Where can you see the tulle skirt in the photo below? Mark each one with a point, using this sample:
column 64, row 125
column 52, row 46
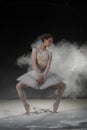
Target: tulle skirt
column 29, row 79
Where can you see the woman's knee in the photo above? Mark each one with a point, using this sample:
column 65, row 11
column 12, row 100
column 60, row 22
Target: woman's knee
column 19, row 85
column 62, row 85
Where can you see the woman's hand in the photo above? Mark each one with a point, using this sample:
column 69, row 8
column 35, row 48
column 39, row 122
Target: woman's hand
column 41, row 80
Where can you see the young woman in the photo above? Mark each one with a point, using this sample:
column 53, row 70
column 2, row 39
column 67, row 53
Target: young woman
column 41, row 77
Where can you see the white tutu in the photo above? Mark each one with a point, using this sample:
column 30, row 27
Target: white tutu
column 30, row 78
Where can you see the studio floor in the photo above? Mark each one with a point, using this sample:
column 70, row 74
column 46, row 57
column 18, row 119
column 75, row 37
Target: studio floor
column 71, row 115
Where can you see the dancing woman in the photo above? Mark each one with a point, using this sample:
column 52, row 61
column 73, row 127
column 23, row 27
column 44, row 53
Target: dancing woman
column 41, row 77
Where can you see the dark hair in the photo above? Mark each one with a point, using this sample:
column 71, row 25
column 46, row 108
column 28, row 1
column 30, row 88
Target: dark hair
column 46, row 36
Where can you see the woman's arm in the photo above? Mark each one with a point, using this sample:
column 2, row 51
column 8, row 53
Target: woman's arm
column 48, row 64
column 34, row 54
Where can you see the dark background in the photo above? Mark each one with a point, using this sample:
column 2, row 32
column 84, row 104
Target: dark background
column 21, row 23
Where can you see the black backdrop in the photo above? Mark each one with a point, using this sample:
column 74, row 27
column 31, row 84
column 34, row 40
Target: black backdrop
column 21, row 23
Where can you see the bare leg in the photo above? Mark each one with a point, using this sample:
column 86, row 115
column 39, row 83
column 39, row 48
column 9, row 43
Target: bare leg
column 22, row 96
column 61, row 88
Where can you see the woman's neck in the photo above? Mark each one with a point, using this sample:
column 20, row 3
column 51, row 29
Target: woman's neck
column 42, row 47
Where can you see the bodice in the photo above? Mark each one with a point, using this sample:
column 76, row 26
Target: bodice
column 42, row 58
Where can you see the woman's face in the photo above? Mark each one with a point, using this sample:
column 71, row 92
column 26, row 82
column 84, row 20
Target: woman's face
column 48, row 42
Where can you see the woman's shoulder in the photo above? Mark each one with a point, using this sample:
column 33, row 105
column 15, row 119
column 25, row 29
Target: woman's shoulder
column 34, row 49
column 50, row 52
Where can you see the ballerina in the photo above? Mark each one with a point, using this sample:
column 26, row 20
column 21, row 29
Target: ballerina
column 41, row 77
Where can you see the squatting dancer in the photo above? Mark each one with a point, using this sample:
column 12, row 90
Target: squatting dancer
column 41, row 77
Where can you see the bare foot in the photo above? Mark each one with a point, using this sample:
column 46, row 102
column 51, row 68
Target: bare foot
column 27, row 106
column 55, row 107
